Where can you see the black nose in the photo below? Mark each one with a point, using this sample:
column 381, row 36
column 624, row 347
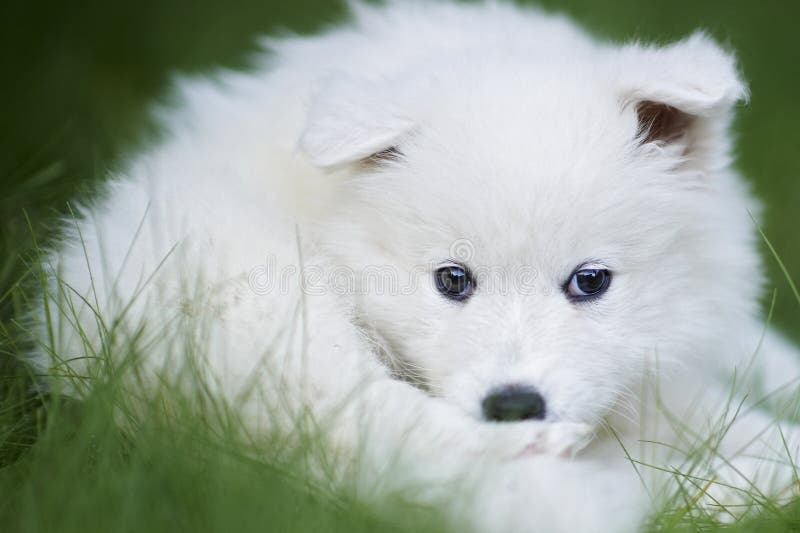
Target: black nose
column 512, row 403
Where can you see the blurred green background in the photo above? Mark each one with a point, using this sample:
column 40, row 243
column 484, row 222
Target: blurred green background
column 78, row 76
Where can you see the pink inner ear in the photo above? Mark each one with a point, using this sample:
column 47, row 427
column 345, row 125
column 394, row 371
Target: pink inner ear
column 661, row 122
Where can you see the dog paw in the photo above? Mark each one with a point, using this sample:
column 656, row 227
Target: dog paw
column 562, row 439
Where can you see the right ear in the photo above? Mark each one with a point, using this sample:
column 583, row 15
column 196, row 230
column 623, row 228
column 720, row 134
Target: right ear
column 351, row 120
column 694, row 75
column 682, row 95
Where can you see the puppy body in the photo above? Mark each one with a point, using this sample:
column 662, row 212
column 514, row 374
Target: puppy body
column 292, row 219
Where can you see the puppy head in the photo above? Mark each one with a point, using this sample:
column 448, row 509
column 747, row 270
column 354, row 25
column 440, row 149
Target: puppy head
column 528, row 234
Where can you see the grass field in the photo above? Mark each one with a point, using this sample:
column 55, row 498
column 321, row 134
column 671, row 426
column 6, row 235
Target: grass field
column 77, row 80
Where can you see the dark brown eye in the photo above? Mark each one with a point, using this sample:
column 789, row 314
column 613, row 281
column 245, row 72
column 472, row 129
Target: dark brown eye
column 453, row 282
column 588, row 283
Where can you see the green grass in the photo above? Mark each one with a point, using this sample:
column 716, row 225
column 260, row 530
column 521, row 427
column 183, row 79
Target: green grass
column 77, row 79
column 165, row 457
column 170, row 473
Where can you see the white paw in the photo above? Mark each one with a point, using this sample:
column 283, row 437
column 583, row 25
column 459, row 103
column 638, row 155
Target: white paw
column 564, row 439
column 512, row 440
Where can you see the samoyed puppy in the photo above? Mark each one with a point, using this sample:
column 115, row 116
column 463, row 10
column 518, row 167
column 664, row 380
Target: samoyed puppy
column 506, row 268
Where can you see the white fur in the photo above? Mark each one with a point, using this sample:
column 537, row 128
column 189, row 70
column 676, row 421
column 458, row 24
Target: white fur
column 519, row 145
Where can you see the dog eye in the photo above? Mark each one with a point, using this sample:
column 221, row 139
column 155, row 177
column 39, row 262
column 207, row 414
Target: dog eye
column 588, row 283
column 454, row 282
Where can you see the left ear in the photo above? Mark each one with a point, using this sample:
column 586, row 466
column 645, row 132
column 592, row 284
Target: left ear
column 681, row 93
column 351, row 120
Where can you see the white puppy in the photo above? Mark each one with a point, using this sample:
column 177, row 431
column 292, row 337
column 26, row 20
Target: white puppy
column 453, row 232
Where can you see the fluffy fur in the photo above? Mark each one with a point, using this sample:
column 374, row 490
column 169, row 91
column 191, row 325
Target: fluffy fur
column 292, row 218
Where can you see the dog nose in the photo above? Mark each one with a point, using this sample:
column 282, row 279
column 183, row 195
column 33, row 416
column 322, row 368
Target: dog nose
column 513, row 403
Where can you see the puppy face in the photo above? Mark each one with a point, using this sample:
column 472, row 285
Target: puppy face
column 553, row 231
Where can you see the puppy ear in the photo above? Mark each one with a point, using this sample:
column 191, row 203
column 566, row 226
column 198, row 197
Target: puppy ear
column 680, row 89
column 353, row 120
